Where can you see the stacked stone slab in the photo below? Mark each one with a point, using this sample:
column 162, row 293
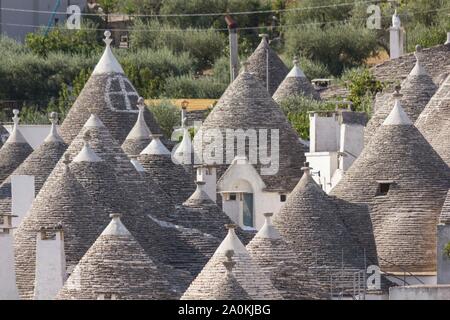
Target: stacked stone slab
column 276, row 258
column 434, row 121
column 15, row 150
column 404, row 181
column 61, row 201
column 170, row 177
column 246, row 105
column 417, row 90
column 116, row 267
column 265, row 64
column 39, row 164
column 247, row 273
column 295, row 84
column 139, row 136
column 110, row 95
column 326, row 234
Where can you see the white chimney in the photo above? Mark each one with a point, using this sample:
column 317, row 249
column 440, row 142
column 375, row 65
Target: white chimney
column 396, row 37
column 22, row 196
column 8, row 285
column 50, row 263
column 208, row 175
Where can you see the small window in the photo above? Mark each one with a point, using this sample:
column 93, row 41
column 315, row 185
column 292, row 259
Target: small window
column 383, row 188
column 232, row 196
column 282, row 198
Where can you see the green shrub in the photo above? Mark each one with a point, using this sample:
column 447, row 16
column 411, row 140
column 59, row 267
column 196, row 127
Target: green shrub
column 148, row 69
column 426, row 36
column 188, row 87
column 204, row 46
column 312, row 69
column 337, row 47
column 60, row 39
column 363, row 87
column 167, row 115
column 296, row 109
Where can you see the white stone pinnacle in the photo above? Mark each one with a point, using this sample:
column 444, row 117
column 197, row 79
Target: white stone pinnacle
column 397, row 116
column 116, row 227
column 108, row 62
column 156, row 147
column 268, row 230
column 53, row 136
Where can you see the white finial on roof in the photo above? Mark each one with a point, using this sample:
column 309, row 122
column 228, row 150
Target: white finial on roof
column 265, row 37
column 156, row 147
column 183, row 152
column 397, row 115
column 296, row 72
column 418, row 68
column 108, row 62
column 306, row 168
column 87, row 154
column 268, row 230
column 396, row 23
column 199, row 193
column 94, row 122
column 116, row 227
column 53, row 135
column 140, row 129
column 231, row 241
column 16, row 136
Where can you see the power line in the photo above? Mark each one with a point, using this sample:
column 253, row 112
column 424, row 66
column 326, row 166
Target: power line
column 221, row 29
column 198, row 14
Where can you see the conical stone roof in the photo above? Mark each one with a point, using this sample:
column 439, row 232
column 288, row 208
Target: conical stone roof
column 144, row 205
column 139, row 136
column 170, row 177
column 417, row 90
column 262, row 57
column 15, row 150
column 227, row 287
column 38, row 164
column 143, row 192
column 295, row 84
column 434, row 121
column 246, row 105
column 404, row 181
column 445, row 212
column 116, row 267
column 323, row 232
column 276, row 258
column 61, row 201
column 110, row 95
column 249, row 276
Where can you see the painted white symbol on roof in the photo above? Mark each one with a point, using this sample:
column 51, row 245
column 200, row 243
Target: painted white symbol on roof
column 120, row 95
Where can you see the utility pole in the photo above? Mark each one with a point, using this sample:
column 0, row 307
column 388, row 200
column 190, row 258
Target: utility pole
column 234, row 54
